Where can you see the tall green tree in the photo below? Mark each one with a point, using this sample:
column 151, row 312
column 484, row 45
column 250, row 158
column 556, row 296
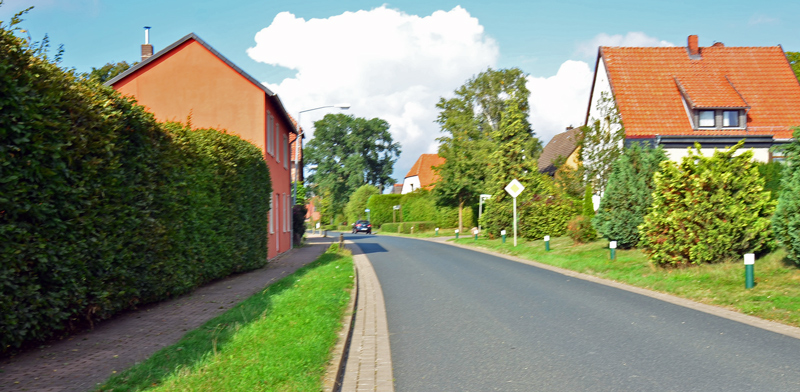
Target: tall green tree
column 794, row 61
column 601, row 142
column 108, row 71
column 488, row 137
column 349, row 152
column 628, row 195
column 358, row 202
column 786, row 221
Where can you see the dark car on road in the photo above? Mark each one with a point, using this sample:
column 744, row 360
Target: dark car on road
column 362, row 225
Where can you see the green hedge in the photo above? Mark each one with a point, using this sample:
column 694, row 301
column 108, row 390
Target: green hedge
column 102, row 208
column 417, row 206
column 405, row 227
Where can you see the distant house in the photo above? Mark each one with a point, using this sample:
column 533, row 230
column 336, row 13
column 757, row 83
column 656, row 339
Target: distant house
column 717, row 95
column 562, row 146
column 397, row 189
column 422, row 174
column 190, row 78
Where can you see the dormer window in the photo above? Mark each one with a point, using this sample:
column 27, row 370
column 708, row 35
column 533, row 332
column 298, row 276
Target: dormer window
column 719, row 118
column 730, row 118
column 706, row 119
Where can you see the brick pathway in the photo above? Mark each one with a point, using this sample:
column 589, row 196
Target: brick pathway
column 81, row 362
column 369, row 362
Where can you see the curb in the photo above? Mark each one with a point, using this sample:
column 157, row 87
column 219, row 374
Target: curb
column 334, row 375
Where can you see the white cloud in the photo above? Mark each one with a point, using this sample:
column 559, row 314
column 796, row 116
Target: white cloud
column 762, row 19
column 633, row 38
column 384, row 62
column 560, row 100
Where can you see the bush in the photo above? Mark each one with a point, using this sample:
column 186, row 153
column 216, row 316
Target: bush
column 786, row 221
column 380, row 207
column 707, row 210
column 580, row 230
column 542, row 209
column 772, row 177
column 102, row 208
column 354, row 210
column 405, row 227
column 628, row 195
column 298, row 223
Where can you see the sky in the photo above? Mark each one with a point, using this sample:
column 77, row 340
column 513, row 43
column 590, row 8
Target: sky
column 395, row 60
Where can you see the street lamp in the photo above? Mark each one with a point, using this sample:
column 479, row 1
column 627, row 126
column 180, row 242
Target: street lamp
column 343, row 106
column 300, row 133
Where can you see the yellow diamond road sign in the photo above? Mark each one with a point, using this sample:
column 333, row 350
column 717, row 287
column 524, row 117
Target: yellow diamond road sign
column 514, row 188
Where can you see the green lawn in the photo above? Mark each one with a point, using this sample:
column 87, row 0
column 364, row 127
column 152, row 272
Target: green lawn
column 776, row 295
column 277, row 340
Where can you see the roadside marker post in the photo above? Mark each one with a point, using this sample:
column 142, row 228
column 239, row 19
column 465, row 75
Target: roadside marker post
column 456, row 233
column 749, row 279
column 514, row 188
column 547, row 243
column 437, row 232
column 613, row 246
column 503, row 233
column 475, row 233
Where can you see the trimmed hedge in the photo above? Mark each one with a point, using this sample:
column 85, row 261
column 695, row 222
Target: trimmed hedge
column 786, row 220
column 102, row 208
column 405, row 227
column 418, row 206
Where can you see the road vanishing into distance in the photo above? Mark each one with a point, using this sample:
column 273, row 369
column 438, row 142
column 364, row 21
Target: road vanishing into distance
column 461, row 320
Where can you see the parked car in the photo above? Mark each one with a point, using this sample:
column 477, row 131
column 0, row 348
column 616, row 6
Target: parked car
column 362, row 225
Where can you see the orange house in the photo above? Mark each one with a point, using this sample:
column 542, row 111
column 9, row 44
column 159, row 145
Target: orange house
column 190, row 78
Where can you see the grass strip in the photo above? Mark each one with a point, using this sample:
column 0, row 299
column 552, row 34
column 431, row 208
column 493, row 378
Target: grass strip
column 276, row 340
column 775, row 297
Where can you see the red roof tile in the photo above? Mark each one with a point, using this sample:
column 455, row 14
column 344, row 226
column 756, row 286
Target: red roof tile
column 647, row 84
column 424, row 169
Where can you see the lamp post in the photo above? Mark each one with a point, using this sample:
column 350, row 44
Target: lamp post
column 343, row 106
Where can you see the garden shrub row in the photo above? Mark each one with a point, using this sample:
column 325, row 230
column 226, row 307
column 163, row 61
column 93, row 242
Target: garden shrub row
column 417, row 206
column 102, row 208
column 405, row 227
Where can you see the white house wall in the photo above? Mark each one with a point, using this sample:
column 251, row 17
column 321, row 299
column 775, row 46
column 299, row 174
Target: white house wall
column 410, row 184
column 601, row 85
column 677, row 154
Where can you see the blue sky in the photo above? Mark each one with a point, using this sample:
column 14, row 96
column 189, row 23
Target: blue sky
column 394, row 60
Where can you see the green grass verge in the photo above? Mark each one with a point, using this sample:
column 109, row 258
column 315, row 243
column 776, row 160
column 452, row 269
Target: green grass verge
column 776, row 295
column 277, row 340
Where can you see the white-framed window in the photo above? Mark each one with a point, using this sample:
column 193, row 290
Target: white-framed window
column 277, row 145
column 285, row 212
column 271, row 216
column 730, row 118
column 706, row 119
column 286, row 151
column 270, row 132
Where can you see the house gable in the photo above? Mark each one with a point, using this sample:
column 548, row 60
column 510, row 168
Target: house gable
column 422, row 174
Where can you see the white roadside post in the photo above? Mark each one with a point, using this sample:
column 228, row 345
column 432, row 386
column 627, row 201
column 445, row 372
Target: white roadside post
column 367, row 211
column 481, row 198
column 514, row 188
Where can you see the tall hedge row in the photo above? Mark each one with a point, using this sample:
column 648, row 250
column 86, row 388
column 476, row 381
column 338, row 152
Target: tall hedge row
column 786, row 220
column 419, row 205
column 102, row 208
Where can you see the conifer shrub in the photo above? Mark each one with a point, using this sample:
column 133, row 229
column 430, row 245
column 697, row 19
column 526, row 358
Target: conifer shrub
column 628, row 195
column 707, row 210
column 786, row 221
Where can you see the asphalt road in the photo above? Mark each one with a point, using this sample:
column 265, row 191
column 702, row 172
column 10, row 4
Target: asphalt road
column 466, row 321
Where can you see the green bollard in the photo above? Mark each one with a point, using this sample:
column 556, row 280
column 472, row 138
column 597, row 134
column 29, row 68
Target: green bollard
column 547, row 243
column 456, row 233
column 503, row 233
column 437, row 232
column 749, row 279
column 476, row 237
column 613, row 246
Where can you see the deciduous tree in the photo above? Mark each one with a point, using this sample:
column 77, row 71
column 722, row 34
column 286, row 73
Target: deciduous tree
column 601, row 143
column 349, row 152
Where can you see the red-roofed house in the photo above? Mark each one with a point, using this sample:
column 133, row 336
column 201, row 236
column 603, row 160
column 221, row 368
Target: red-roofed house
column 716, row 95
column 422, row 174
column 190, row 77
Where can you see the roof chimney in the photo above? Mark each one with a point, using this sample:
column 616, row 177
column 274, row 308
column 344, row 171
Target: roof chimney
column 147, row 49
column 692, row 48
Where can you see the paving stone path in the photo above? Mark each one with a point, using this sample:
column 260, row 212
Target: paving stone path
column 82, row 361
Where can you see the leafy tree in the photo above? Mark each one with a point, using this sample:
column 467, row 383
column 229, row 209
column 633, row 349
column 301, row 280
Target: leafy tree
column 628, row 195
column 601, row 143
column 707, row 210
column 349, row 152
column 108, row 71
column 489, row 138
column 786, row 221
column 794, row 61
column 358, row 202
column 569, row 179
